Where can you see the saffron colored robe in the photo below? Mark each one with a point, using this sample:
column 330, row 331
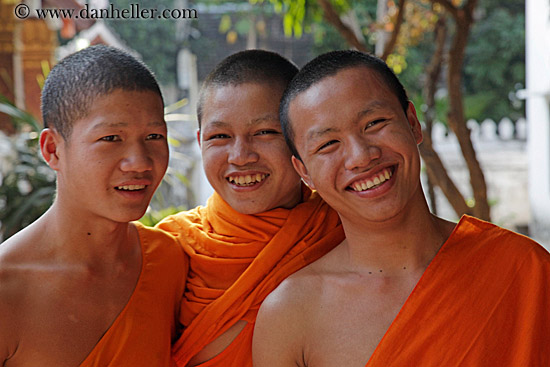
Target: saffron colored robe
column 236, row 260
column 483, row 301
column 143, row 332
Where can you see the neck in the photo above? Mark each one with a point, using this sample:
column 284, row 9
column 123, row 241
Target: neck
column 406, row 242
column 82, row 238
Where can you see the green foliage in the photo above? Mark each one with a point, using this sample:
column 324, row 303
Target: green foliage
column 19, row 117
column 27, row 189
column 28, row 183
column 327, row 38
column 495, row 64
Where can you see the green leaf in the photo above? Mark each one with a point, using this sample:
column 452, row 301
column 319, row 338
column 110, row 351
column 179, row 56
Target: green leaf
column 225, row 24
column 18, row 116
column 288, row 20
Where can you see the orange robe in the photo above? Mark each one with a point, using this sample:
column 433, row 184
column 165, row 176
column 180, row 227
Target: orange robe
column 483, row 301
column 143, row 332
column 236, row 260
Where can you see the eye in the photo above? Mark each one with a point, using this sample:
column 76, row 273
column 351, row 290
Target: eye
column 267, row 132
column 155, row 137
column 326, row 145
column 218, row 136
column 375, row 122
column 110, row 138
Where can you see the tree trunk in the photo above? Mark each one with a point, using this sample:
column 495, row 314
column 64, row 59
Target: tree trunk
column 457, row 121
column 433, row 72
column 333, row 18
column 390, row 45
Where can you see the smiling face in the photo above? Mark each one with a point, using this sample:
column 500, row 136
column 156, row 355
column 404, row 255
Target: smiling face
column 244, row 153
column 358, row 146
column 114, row 158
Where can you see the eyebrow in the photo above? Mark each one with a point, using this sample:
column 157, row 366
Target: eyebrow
column 123, row 124
column 317, row 133
column 369, row 108
column 256, row 121
column 266, row 117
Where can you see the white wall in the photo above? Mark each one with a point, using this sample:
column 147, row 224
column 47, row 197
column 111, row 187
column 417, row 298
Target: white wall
column 538, row 115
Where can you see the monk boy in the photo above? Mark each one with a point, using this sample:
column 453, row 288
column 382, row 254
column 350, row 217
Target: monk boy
column 82, row 285
column 260, row 225
column 405, row 288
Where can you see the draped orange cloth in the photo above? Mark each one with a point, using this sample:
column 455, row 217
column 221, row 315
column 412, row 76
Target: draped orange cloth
column 483, row 301
column 236, row 260
column 142, row 333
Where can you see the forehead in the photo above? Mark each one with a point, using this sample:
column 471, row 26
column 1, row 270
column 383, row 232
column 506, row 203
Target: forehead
column 355, row 84
column 122, row 108
column 242, row 103
column 344, row 97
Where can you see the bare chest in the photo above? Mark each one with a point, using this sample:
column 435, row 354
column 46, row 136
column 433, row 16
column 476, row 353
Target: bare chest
column 62, row 318
column 351, row 321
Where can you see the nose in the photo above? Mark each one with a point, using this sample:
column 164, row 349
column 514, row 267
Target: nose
column 137, row 159
column 360, row 154
column 242, row 152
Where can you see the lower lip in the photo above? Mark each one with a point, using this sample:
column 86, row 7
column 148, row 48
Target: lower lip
column 378, row 191
column 133, row 195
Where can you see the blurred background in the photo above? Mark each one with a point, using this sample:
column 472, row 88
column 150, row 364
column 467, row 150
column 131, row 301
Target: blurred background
column 476, row 70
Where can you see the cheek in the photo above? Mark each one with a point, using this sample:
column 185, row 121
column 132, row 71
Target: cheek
column 278, row 152
column 327, row 171
column 213, row 157
column 161, row 156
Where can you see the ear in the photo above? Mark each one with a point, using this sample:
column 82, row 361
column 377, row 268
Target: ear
column 50, row 141
column 302, row 171
column 199, row 137
column 414, row 123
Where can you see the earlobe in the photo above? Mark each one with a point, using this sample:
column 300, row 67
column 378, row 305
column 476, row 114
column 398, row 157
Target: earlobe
column 414, row 123
column 49, row 144
column 302, row 171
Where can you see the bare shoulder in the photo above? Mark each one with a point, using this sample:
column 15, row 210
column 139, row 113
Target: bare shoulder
column 295, row 293
column 15, row 254
column 14, row 259
column 296, row 296
column 282, row 323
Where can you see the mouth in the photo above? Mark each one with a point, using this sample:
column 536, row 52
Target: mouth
column 247, row 180
column 131, row 187
column 372, row 182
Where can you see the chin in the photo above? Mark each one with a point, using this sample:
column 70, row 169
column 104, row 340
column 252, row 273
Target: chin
column 129, row 217
column 248, row 209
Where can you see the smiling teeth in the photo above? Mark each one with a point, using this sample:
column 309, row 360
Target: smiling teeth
column 131, row 187
column 369, row 184
column 247, row 180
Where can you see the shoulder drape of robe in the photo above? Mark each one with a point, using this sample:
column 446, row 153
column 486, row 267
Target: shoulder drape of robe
column 236, row 260
column 483, row 301
column 142, row 333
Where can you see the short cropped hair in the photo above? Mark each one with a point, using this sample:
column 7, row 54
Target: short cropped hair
column 250, row 66
column 327, row 65
column 73, row 85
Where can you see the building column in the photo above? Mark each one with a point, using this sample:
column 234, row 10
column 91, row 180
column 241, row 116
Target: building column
column 35, row 46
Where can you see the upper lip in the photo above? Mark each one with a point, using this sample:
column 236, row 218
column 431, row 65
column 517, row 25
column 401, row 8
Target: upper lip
column 368, row 174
